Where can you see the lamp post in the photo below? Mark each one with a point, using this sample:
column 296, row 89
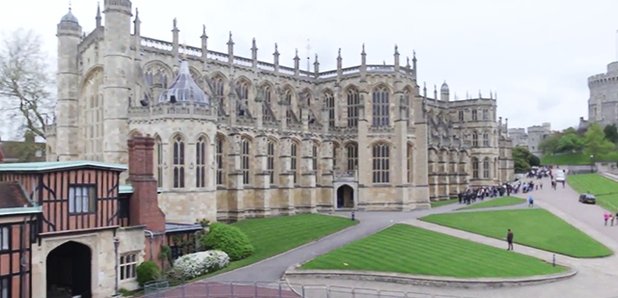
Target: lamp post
column 591, row 163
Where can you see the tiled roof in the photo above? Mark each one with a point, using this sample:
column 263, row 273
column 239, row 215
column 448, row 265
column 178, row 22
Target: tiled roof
column 58, row 165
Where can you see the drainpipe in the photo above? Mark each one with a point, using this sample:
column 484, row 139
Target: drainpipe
column 116, row 244
column 151, row 235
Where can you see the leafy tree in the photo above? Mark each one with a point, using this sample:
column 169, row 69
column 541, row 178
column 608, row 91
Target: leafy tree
column 523, row 159
column 570, row 142
column 24, row 83
column 611, row 133
column 550, row 144
column 595, row 142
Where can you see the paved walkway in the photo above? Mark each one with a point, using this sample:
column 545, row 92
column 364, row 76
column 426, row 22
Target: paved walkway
column 596, row 277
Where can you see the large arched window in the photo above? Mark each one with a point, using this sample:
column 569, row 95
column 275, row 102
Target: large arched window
column 406, row 101
column 352, row 156
column 380, row 107
column 486, row 168
column 270, row 161
column 294, row 161
column 159, row 159
column 329, row 101
column 245, row 161
column 381, row 163
column 219, row 144
column 289, row 112
column 242, row 90
column 353, row 103
column 475, row 168
column 200, row 162
column 485, row 140
column 409, row 163
column 179, row 162
column 267, row 107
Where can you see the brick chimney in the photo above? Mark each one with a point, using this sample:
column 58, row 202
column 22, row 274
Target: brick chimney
column 144, row 206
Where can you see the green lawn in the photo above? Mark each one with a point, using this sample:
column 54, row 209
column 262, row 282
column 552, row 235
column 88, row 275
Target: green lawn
column 498, row 202
column 406, row 249
column 606, row 190
column 275, row 235
column 435, row 204
column 575, row 158
column 532, row 227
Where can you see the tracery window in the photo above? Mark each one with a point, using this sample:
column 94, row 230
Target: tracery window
column 200, row 162
column 242, row 90
column 329, row 100
column 218, row 84
column 352, row 156
column 380, row 106
column 353, row 103
column 381, row 163
column 270, row 161
column 267, row 111
column 293, row 161
column 245, row 160
column 178, row 162
column 219, row 160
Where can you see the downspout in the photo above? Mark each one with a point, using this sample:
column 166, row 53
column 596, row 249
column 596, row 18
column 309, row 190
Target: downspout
column 151, row 234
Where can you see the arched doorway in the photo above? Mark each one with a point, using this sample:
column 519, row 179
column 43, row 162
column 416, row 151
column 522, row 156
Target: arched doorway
column 345, row 197
column 68, row 271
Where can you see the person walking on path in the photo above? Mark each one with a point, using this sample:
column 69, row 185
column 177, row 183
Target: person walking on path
column 530, row 201
column 606, row 217
column 509, row 239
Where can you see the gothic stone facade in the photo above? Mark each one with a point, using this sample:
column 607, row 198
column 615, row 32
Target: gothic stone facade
column 259, row 138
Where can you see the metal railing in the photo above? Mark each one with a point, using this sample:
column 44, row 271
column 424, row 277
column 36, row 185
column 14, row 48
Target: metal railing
column 203, row 289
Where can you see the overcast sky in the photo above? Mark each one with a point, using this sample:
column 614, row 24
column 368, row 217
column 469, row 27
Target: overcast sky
column 537, row 55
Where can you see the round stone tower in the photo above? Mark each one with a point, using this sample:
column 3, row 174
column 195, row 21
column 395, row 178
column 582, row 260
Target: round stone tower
column 69, row 34
column 603, row 100
column 117, row 75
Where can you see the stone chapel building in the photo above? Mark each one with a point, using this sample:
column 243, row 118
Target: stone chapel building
column 237, row 137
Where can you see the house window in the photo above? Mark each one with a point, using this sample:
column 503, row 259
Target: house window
column 270, row 161
column 485, row 115
column 461, row 116
column 5, row 287
column 475, row 139
column 293, row 159
column 200, row 162
column 381, row 165
column 352, row 154
column 475, row 168
column 244, row 161
column 5, row 236
column 179, row 162
column 127, row 263
column 82, row 199
column 353, row 102
column 485, row 140
column 330, row 107
column 219, row 160
column 380, row 105
column 475, row 115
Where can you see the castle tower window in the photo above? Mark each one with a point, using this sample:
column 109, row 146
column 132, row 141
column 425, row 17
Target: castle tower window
column 352, row 155
column 461, row 116
column 485, row 115
column 381, row 163
column 475, row 139
column 293, row 161
column 475, row 168
column 485, row 140
column 219, row 160
column 329, row 100
column 270, row 161
column 380, row 105
column 159, row 156
column 200, row 162
column 353, row 103
column 475, row 116
column 245, row 160
column 486, row 168
column 178, row 162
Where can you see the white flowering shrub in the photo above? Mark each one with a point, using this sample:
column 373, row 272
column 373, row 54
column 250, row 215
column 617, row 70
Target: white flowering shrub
column 199, row 263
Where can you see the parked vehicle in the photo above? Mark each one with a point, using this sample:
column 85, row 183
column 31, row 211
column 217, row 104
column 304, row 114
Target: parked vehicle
column 559, row 174
column 587, row 198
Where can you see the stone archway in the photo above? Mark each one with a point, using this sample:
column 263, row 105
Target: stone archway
column 69, row 268
column 345, row 196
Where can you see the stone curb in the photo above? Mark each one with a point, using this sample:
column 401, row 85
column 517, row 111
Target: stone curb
column 434, row 281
